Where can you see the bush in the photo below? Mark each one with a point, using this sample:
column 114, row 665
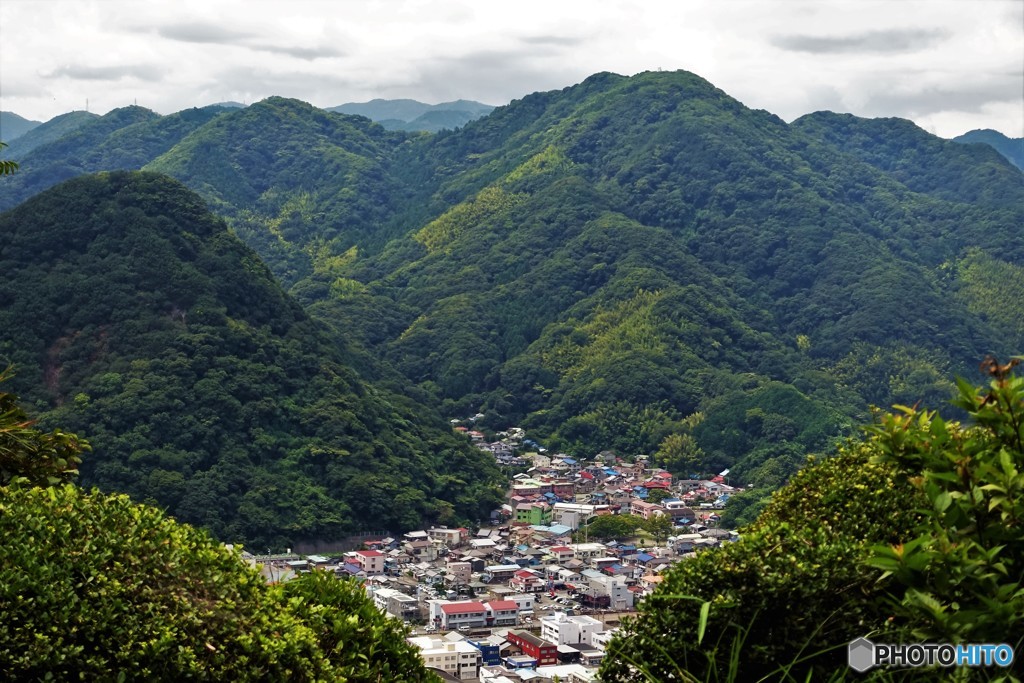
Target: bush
column 795, row 579
column 961, row 576
column 96, row 587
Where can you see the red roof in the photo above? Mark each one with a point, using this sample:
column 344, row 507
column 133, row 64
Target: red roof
column 369, row 553
column 561, row 549
column 497, row 605
column 664, row 475
column 462, row 607
column 586, row 475
column 523, row 574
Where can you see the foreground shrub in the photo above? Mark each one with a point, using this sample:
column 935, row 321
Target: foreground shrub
column 96, row 587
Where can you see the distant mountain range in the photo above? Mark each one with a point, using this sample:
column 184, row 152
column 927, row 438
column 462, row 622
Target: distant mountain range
column 13, row 126
column 44, row 133
column 410, row 115
column 640, row 264
column 1011, row 148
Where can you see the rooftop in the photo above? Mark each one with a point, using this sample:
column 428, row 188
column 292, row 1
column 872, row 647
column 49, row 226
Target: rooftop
column 462, row 607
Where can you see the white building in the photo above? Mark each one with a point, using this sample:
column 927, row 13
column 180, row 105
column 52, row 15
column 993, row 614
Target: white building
column 565, row 630
column 572, row 514
column 585, row 551
column 600, row 640
column 457, row 658
column 524, row 601
column 613, row 586
column 396, row 603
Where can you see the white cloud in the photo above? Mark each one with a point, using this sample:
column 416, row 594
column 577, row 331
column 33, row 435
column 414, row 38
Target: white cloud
column 951, row 65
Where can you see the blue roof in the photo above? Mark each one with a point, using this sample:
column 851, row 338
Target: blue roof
column 644, row 557
column 352, row 568
column 569, row 461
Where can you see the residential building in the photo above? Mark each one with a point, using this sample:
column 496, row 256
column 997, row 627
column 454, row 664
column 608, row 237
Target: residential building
column 585, row 551
column 541, row 650
column 533, row 514
column 459, row 572
column 490, row 649
column 500, row 573
column 614, row 587
column 502, row 613
column 572, row 514
column 457, row 658
column 463, row 615
column 525, row 580
column 524, row 601
column 679, row 510
column 453, row 538
column 561, row 553
column 565, row 630
column 600, row 640
column 396, row 603
column 369, row 561
column 644, row 509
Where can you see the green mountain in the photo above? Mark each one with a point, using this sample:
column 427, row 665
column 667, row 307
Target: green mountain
column 299, row 184
column 13, row 126
column 598, row 263
column 637, row 263
column 136, row 319
column 1011, row 148
column 44, row 133
column 411, row 115
column 920, row 161
column 123, row 139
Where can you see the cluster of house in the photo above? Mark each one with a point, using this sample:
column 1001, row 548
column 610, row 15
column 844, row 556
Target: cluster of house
column 567, row 648
column 517, row 600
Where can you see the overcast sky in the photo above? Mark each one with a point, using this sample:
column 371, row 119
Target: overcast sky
column 949, row 65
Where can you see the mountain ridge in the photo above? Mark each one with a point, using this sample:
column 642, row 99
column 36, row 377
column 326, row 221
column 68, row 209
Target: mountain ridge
column 597, row 263
column 136, row 319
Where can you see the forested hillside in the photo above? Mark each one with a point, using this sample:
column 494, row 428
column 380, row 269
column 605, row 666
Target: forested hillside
column 54, row 129
column 124, row 139
column 133, row 317
column 1011, row 148
column 600, row 262
column 299, row 184
column 640, row 263
column 13, row 126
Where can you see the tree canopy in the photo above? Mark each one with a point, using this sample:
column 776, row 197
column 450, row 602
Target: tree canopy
column 910, row 534
column 97, row 587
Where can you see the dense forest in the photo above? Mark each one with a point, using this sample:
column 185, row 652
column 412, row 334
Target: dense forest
column 640, row 264
column 133, row 317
